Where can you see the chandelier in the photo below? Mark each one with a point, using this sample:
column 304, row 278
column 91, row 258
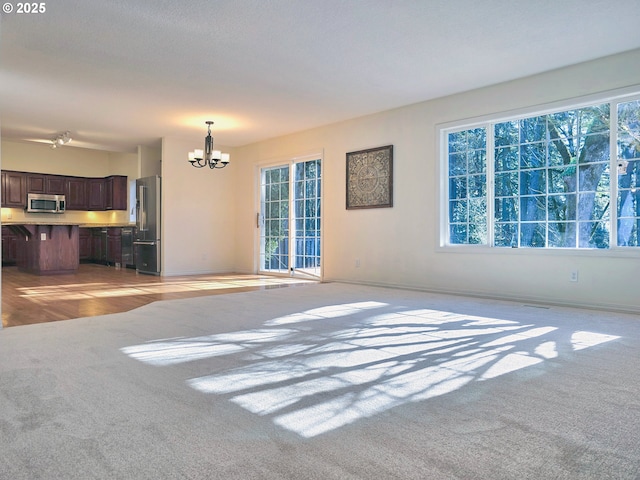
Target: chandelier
column 61, row 140
column 208, row 157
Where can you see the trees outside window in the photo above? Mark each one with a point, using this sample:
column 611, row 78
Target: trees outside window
column 547, row 179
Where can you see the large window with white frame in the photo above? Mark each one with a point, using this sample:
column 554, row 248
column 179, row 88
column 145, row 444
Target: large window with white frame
column 567, row 178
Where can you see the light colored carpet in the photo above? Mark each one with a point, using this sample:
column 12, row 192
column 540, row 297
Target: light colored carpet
column 327, row 381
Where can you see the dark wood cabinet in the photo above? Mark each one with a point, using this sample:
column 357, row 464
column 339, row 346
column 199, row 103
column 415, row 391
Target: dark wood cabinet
column 99, row 245
column 84, row 244
column 96, row 193
column 116, row 193
column 9, row 247
column 114, row 246
column 42, row 183
column 36, row 183
column 76, row 193
column 82, row 193
column 14, row 189
column 54, row 184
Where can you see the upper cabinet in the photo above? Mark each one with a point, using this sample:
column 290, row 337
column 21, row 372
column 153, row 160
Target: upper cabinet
column 96, row 193
column 116, row 193
column 41, row 183
column 81, row 193
column 14, row 189
column 76, row 193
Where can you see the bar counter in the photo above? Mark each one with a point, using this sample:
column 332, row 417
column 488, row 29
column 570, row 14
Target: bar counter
column 46, row 249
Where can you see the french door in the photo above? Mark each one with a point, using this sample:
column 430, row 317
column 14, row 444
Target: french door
column 290, row 218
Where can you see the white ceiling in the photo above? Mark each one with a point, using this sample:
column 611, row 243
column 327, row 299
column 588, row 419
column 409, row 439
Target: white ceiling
column 122, row 73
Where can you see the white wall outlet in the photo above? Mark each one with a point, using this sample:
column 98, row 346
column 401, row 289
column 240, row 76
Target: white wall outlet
column 573, row 276
column 43, row 236
column 357, row 263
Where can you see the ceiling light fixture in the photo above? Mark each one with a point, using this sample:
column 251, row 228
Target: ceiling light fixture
column 61, row 139
column 208, row 157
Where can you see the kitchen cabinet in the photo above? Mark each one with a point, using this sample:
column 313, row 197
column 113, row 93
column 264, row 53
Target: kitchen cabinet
column 116, row 193
column 43, row 183
column 76, row 193
column 14, row 189
column 114, row 246
column 35, row 183
column 84, row 244
column 55, row 184
column 99, row 245
column 96, row 193
column 82, row 193
column 9, row 247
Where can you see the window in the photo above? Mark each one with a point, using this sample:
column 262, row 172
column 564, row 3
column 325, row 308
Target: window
column 545, row 181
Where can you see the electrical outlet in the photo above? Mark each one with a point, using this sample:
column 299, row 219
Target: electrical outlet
column 573, row 276
column 357, row 263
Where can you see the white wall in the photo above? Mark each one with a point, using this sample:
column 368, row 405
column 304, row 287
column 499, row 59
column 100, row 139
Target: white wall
column 199, row 211
column 399, row 246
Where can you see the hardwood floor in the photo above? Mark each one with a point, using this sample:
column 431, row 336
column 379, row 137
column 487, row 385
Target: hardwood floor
column 99, row 290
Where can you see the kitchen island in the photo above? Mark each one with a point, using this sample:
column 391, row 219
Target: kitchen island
column 46, row 248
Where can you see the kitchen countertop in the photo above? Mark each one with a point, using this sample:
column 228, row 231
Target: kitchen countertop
column 81, row 225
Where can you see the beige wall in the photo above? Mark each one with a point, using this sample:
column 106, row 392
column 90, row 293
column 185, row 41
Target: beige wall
column 72, row 161
column 80, row 162
column 199, row 213
column 399, row 246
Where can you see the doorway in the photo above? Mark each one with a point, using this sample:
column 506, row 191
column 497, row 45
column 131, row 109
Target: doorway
column 290, row 218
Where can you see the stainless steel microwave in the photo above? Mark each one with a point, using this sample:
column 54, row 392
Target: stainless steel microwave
column 45, row 203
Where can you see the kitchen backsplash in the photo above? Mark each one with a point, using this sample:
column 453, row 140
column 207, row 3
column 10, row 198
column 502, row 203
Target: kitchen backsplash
column 115, row 217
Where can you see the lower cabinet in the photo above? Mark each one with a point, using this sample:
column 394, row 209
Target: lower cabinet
column 114, row 246
column 84, row 244
column 106, row 246
column 9, row 247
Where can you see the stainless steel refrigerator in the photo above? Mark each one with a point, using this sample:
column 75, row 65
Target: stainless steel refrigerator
column 147, row 238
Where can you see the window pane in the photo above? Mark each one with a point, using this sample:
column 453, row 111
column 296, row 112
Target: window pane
column 561, row 207
column 507, row 158
column 533, row 155
column 506, row 133
column 533, row 235
column 457, row 142
column 458, row 234
column 562, row 179
column 458, row 211
column 458, row 164
column 533, row 129
column 506, row 209
column 506, row 184
column 562, row 235
column 593, row 235
column 533, row 208
column 506, row 235
column 533, row 182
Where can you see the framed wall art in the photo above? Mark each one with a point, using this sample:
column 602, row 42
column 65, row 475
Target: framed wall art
column 370, row 178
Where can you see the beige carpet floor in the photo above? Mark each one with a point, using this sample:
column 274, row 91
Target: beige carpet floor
column 327, row 381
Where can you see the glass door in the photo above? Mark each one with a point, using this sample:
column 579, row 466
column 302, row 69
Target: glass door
column 290, row 218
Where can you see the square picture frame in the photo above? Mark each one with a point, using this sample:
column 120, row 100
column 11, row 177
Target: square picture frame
column 370, row 178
